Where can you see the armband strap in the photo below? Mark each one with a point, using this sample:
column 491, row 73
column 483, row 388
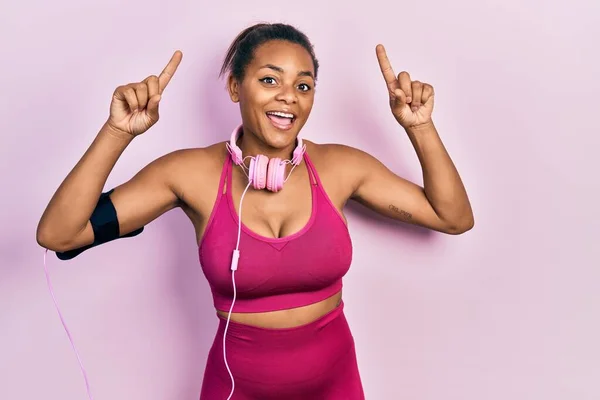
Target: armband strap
column 104, row 224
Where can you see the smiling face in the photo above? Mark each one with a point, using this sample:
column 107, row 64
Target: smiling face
column 276, row 94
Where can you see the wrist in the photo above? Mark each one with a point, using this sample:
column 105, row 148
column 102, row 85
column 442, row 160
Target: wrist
column 422, row 136
column 420, row 128
column 116, row 133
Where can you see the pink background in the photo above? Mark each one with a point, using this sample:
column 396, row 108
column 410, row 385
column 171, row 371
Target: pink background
column 507, row 311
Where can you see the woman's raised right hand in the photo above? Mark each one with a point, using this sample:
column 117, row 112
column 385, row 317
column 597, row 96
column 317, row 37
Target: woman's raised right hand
column 134, row 107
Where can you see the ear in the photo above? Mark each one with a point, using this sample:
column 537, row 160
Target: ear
column 233, row 87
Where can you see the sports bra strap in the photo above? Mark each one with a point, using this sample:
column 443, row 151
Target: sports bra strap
column 224, row 172
column 312, row 171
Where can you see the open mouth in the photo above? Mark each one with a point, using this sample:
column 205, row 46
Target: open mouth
column 281, row 120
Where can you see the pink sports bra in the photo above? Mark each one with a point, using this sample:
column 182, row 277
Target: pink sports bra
column 275, row 273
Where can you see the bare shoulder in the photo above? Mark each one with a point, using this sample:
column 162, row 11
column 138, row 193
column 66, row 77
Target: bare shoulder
column 195, row 170
column 192, row 160
column 340, row 167
column 335, row 153
column 346, row 162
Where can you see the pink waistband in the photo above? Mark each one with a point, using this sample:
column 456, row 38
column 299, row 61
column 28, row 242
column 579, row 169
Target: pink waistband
column 256, row 333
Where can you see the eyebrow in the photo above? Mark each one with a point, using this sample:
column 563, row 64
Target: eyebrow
column 279, row 69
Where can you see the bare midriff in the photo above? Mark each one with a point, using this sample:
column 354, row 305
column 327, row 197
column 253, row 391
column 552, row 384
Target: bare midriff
column 289, row 318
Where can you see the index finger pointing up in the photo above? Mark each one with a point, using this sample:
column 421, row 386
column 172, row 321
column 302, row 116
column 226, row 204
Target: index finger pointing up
column 386, row 69
column 165, row 76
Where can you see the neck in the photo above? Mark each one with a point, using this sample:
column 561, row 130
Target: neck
column 251, row 146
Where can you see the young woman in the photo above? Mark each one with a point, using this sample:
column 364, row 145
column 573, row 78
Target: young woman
column 273, row 241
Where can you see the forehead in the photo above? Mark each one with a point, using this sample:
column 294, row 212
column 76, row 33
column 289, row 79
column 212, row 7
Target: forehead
column 292, row 57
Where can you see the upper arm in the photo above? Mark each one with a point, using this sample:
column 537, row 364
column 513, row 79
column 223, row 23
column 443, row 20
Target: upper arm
column 381, row 190
column 148, row 194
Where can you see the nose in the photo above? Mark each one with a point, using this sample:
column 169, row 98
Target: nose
column 287, row 94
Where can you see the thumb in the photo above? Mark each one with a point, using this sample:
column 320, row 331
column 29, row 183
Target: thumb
column 399, row 98
column 152, row 107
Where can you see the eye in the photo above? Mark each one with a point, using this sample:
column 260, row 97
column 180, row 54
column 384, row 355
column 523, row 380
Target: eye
column 267, row 80
column 304, row 87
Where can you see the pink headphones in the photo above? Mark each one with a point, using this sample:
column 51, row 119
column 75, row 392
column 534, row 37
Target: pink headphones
column 264, row 172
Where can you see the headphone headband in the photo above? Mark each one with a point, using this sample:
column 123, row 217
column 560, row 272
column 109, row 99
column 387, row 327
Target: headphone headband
column 236, row 152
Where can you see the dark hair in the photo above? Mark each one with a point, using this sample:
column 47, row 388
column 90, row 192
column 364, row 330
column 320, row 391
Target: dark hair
column 241, row 51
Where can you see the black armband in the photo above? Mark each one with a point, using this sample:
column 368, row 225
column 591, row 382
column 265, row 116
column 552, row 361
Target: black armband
column 105, row 225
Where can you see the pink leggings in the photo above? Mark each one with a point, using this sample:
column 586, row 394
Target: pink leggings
column 313, row 361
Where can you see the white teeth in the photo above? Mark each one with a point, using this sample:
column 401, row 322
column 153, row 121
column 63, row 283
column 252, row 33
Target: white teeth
column 281, row 114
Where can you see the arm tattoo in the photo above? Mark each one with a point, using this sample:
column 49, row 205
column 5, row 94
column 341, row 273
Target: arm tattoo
column 403, row 214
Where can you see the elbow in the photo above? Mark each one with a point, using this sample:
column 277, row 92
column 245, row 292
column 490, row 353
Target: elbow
column 42, row 237
column 45, row 240
column 460, row 227
column 49, row 240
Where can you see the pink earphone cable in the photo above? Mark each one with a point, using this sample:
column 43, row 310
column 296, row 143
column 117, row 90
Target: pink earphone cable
column 87, row 385
column 234, row 263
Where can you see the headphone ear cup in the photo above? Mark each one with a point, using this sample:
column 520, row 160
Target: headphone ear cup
column 252, row 169
column 258, row 171
column 298, row 152
column 234, row 150
column 275, row 175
